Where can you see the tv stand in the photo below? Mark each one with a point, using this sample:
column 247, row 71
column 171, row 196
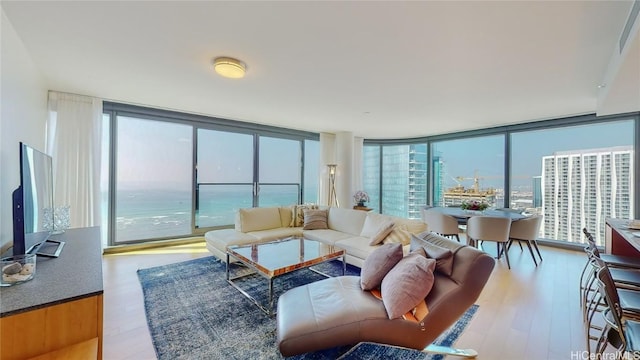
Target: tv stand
column 60, row 310
column 42, row 249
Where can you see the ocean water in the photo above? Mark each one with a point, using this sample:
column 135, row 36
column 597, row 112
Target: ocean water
column 148, row 213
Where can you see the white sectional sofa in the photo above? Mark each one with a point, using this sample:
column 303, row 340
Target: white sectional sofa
column 348, row 229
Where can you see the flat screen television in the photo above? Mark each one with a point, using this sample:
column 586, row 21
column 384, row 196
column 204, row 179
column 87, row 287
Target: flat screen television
column 33, row 211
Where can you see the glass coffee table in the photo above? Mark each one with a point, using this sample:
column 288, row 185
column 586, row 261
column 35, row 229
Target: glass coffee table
column 276, row 258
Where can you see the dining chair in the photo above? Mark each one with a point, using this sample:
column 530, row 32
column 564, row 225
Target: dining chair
column 490, row 228
column 526, row 230
column 443, row 224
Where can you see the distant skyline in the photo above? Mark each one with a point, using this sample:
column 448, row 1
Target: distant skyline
column 486, row 154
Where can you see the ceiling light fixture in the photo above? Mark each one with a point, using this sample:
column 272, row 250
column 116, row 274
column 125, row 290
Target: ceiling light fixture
column 229, row 67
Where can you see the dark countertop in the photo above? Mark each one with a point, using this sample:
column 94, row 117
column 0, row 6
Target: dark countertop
column 76, row 274
column 621, row 227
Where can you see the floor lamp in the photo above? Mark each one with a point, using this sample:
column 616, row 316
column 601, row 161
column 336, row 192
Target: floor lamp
column 333, row 200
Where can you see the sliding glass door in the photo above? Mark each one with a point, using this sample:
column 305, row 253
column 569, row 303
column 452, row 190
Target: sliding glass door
column 152, row 179
column 279, row 172
column 170, row 175
column 224, row 176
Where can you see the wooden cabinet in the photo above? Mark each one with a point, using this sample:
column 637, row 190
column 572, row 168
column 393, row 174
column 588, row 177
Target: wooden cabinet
column 58, row 314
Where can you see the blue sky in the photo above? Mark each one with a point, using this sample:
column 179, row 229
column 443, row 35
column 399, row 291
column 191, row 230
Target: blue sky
column 171, row 143
column 486, row 154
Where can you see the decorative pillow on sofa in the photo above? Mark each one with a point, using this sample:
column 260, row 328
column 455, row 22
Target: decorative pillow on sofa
column 438, row 247
column 399, row 234
column 378, row 264
column 442, row 256
column 384, row 230
column 315, row 219
column 407, row 284
column 297, row 214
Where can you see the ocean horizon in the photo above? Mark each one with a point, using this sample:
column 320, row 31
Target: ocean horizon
column 154, row 213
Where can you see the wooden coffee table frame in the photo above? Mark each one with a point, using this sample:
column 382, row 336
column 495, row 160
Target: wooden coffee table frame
column 309, row 253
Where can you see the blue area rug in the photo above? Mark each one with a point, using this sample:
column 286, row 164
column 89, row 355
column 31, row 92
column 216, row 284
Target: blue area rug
column 193, row 313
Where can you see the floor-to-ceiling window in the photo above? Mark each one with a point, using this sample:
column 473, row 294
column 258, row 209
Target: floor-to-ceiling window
column 576, row 176
column 176, row 175
column 395, row 177
column 576, row 171
column 470, row 169
column 153, row 179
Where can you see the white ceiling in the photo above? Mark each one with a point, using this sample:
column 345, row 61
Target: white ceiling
column 377, row 69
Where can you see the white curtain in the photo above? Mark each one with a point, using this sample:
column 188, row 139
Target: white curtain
column 74, row 141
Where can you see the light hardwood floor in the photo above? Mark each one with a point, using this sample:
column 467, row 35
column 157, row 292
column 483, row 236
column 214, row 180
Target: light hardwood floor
column 527, row 312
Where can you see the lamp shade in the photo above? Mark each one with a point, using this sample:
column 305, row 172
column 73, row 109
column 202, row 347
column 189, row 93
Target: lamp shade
column 229, row 67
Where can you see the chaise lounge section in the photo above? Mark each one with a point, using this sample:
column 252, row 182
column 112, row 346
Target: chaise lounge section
column 336, row 311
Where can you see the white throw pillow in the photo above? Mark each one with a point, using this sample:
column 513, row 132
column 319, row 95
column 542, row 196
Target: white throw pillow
column 382, row 233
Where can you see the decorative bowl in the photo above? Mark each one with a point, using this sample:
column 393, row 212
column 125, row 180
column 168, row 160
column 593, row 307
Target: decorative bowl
column 17, row 269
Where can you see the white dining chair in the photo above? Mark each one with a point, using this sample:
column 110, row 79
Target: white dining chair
column 490, row 228
column 443, row 224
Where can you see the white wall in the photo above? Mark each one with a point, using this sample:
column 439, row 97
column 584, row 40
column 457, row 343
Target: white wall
column 23, row 113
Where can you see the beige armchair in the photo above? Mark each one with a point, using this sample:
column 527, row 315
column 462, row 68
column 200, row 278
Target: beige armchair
column 489, row 228
column 526, row 230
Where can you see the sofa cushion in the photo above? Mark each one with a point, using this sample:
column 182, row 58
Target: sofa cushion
column 372, row 223
column 222, row 238
column 252, row 219
column 346, row 220
column 286, row 215
column 376, row 227
column 315, row 219
column 357, row 246
column 378, row 264
column 275, row 234
column 407, row 284
column 326, row 236
column 414, row 226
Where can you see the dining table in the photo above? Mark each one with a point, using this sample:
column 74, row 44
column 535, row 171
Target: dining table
column 462, row 215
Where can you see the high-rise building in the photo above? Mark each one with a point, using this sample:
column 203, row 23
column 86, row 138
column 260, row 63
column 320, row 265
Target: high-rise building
column 536, row 185
column 437, row 166
column 582, row 188
column 404, row 186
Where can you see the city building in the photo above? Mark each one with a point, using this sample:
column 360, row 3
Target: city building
column 584, row 187
column 403, row 179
